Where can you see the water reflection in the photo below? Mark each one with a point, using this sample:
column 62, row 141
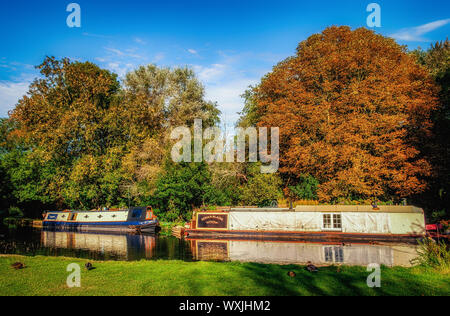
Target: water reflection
column 111, row 246
column 300, row 253
column 120, row 246
column 136, row 247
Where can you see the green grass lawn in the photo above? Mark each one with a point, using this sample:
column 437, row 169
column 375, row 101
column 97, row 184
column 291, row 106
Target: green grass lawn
column 47, row 276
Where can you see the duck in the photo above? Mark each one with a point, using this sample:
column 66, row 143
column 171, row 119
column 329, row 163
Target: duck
column 18, row 265
column 311, row 268
column 89, row 266
column 292, row 274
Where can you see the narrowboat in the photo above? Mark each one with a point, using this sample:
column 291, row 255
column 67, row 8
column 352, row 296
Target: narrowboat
column 136, row 219
column 315, row 222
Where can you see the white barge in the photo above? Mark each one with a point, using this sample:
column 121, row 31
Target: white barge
column 322, row 222
column 136, row 219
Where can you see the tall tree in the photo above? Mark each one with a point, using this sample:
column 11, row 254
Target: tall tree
column 353, row 108
column 180, row 188
column 156, row 100
column 64, row 118
column 437, row 60
column 90, row 142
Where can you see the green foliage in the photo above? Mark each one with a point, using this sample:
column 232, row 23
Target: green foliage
column 5, row 190
column 433, row 254
column 437, row 60
column 216, row 196
column 80, row 140
column 306, row 189
column 15, row 212
column 261, row 189
column 437, row 216
column 249, row 115
column 181, row 188
column 95, row 182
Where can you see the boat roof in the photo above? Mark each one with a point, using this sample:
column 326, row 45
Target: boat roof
column 105, row 211
column 338, row 209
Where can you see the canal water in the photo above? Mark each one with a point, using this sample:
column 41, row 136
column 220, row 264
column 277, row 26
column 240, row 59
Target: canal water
column 128, row 247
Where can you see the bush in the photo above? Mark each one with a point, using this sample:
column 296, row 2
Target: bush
column 433, row 254
column 181, row 188
column 306, row 189
column 262, row 190
column 15, row 212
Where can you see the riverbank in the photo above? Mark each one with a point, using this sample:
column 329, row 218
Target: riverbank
column 47, row 276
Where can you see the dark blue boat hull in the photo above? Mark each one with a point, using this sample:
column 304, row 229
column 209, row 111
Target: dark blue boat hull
column 132, row 226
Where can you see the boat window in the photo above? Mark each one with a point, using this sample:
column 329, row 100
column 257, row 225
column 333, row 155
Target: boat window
column 327, row 221
column 136, row 213
column 332, row 221
column 337, row 221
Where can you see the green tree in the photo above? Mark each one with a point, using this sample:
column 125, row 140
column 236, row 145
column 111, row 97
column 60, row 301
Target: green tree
column 88, row 142
column 437, row 60
column 260, row 189
column 306, row 189
column 154, row 101
column 65, row 117
column 180, row 188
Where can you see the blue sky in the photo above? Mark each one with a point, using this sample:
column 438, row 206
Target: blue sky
column 230, row 44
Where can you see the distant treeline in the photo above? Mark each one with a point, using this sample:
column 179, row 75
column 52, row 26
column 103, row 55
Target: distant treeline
column 360, row 118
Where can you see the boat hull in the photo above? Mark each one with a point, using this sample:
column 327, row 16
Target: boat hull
column 136, row 219
column 146, row 226
column 300, row 236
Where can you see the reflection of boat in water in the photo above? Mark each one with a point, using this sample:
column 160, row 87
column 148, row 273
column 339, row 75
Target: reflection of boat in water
column 120, row 246
column 300, row 252
column 136, row 219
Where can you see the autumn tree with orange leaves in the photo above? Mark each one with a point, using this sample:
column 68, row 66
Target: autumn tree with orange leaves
column 353, row 110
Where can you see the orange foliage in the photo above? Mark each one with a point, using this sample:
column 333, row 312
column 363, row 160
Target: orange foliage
column 353, row 109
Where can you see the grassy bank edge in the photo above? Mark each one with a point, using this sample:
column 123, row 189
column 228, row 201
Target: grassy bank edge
column 48, row 275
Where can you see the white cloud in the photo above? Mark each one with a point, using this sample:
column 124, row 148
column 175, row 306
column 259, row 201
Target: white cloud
column 225, row 82
column 123, row 60
column 228, row 96
column 414, row 34
column 121, row 69
column 10, row 93
column 158, row 57
column 127, row 53
column 118, row 52
column 96, row 35
column 140, row 41
column 192, row 51
column 210, row 73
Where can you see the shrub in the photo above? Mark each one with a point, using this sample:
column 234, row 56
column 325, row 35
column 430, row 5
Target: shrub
column 433, row 254
column 306, row 189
